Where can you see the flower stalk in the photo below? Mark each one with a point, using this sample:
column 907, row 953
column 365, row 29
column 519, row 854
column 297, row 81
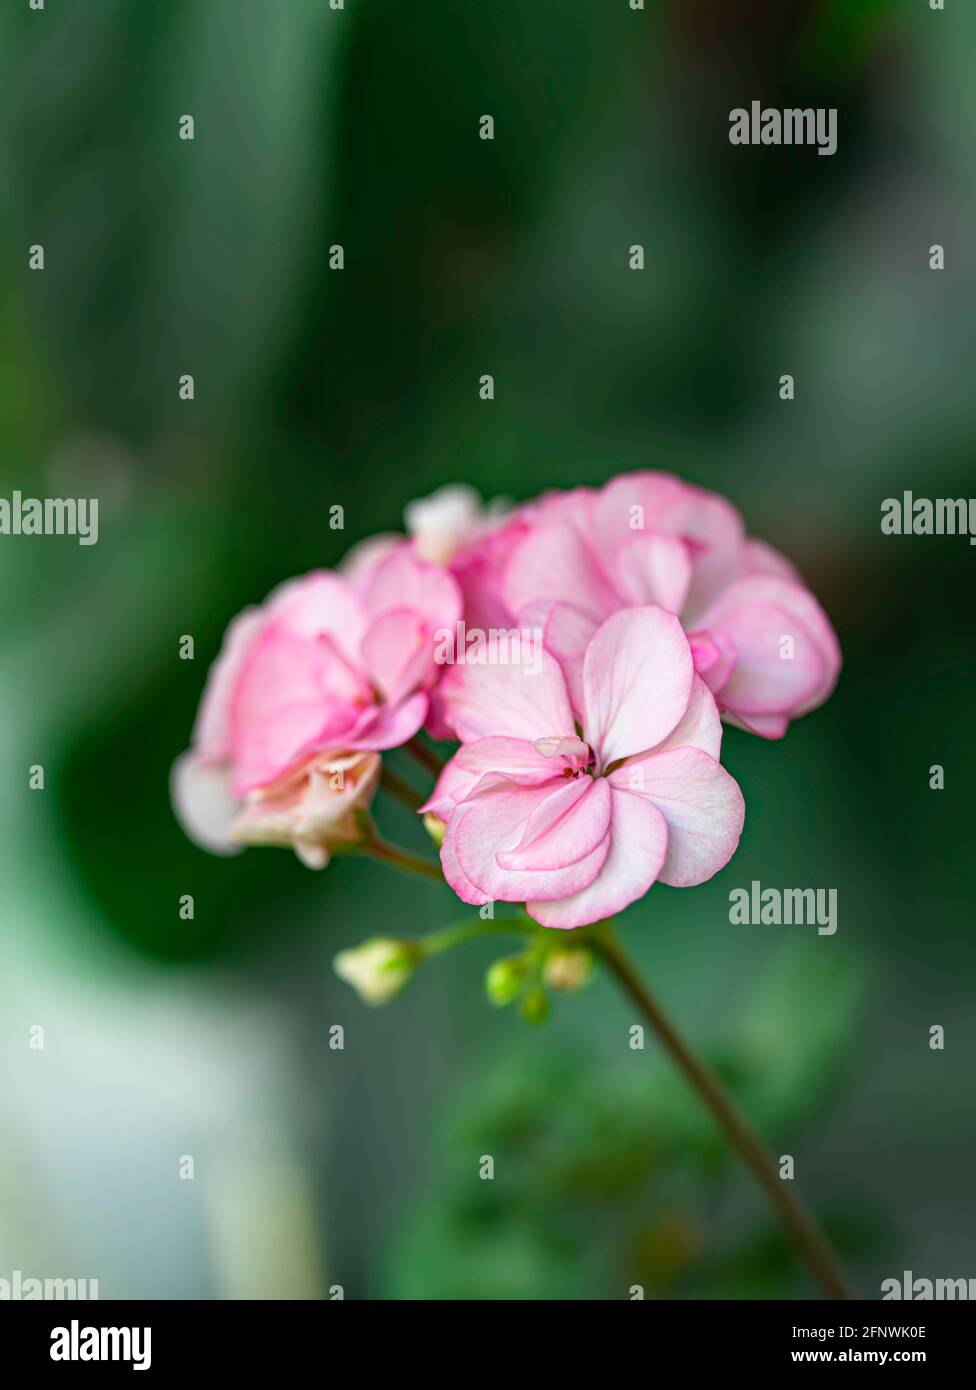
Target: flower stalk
column 800, row 1225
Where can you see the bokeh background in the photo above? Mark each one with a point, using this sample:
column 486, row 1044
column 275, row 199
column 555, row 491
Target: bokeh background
column 209, row 1037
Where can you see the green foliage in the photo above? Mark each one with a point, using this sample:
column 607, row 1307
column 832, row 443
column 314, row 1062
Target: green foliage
column 608, row 1177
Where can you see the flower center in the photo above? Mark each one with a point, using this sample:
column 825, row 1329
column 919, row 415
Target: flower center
column 577, row 756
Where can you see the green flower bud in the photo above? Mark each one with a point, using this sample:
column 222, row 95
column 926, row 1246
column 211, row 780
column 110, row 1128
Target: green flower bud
column 378, row 969
column 435, row 828
column 505, row 979
column 535, row 1006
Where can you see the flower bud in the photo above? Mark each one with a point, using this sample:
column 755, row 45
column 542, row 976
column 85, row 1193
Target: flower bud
column 435, row 828
column 378, row 969
column 505, row 979
column 535, row 1006
column 568, row 968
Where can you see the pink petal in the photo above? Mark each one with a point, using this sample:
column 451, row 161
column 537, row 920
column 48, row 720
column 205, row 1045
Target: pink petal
column 715, row 657
column 652, row 501
column 761, row 558
column 568, row 746
column 701, row 724
column 398, row 653
column 637, row 678
column 389, row 726
column 638, row 843
column 360, row 561
column 401, row 580
column 570, row 824
column 292, row 696
column 321, row 604
column 517, row 701
column 763, row 681
column 453, row 872
column 204, row 803
column 701, row 803
column 501, row 759
column 765, row 725
column 554, row 565
column 490, row 825
column 211, row 732
column 802, row 609
column 653, row 568
column 567, row 635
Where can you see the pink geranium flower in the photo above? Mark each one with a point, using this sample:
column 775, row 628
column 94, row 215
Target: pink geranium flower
column 578, row 822
column 455, row 529
column 760, row 639
column 322, row 674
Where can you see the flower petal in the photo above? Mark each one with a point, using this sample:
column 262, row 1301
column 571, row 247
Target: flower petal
column 211, row 732
column 566, row 827
column 637, row 679
column 204, row 803
column 638, row 843
column 401, row 580
column 764, row 681
column 398, row 652
column 490, row 825
column 568, row 632
column 654, row 568
column 701, row 803
column 501, row 759
column 701, row 724
column 527, row 701
column 805, row 621
column 293, row 695
column 453, row 872
column 389, row 726
column 555, row 565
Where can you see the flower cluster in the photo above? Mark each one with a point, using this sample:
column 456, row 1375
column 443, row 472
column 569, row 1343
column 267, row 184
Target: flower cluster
column 582, row 777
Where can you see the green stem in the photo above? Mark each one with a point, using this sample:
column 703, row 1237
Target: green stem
column 424, row 755
column 448, row 937
column 800, row 1225
column 402, row 790
column 400, row 858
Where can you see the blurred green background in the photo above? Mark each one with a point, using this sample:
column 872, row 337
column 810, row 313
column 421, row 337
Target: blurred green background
column 209, row 1038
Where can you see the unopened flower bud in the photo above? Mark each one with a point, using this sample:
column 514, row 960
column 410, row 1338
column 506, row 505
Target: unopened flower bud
column 535, row 1006
column 568, row 967
column 378, row 969
column 505, row 979
column 435, row 828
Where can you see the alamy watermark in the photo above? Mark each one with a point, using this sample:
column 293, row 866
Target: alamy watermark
column 909, row 515
column 496, row 646
column 50, row 516
column 768, row 126
column 77, row 1343
column 23, row 1287
column 907, row 1287
column 776, row 907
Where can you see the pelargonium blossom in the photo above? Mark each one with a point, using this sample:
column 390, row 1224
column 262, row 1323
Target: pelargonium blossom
column 306, row 692
column 471, row 539
column 761, row 641
column 578, row 822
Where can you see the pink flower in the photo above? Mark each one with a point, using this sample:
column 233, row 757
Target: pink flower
column 761, row 641
column 454, row 529
column 578, row 824
column 322, row 672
